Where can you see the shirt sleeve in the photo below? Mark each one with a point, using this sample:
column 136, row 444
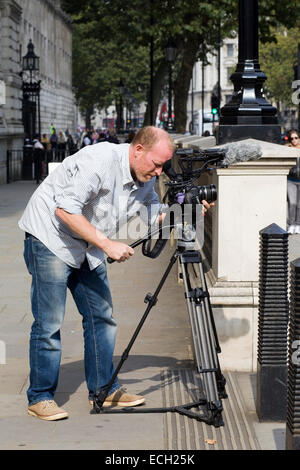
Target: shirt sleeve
column 77, row 183
column 153, row 205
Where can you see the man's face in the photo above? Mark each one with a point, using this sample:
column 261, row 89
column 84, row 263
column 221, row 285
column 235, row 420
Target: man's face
column 148, row 163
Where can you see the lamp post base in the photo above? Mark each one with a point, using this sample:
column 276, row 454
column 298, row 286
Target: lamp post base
column 231, row 133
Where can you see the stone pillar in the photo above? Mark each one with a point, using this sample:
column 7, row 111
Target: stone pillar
column 272, row 324
column 293, row 395
column 251, row 195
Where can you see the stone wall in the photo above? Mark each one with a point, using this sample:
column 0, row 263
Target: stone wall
column 50, row 29
column 11, row 127
column 51, row 32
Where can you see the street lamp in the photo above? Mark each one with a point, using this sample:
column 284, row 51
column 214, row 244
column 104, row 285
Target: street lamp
column 170, row 55
column 248, row 114
column 31, row 93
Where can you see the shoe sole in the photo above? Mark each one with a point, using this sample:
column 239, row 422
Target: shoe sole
column 122, row 404
column 49, row 418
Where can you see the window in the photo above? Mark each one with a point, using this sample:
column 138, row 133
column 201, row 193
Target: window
column 230, row 50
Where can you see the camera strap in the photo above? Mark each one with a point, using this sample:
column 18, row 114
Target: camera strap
column 156, row 250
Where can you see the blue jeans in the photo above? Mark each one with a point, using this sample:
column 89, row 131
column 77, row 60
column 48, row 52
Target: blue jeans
column 91, row 293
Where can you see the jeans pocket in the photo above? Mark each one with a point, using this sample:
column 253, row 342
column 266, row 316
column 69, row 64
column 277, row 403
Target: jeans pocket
column 26, row 255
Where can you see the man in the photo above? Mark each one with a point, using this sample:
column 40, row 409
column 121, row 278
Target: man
column 38, row 158
column 69, row 223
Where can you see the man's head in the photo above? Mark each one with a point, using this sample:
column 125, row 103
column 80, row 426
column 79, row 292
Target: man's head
column 149, row 150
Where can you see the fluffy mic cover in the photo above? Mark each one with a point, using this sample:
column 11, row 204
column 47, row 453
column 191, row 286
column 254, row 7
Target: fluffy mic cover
column 241, row 152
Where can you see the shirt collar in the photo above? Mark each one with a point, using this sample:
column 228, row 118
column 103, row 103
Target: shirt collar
column 127, row 177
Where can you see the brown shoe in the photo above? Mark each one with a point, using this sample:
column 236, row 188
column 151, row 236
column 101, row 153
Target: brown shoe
column 123, row 399
column 47, row 410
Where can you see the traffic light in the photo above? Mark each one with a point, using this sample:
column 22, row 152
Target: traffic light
column 215, row 104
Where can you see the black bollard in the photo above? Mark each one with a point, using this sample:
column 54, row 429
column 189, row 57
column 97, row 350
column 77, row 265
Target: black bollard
column 272, row 324
column 293, row 383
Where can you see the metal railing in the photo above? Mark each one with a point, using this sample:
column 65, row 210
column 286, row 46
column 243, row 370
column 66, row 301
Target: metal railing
column 14, row 163
column 21, row 163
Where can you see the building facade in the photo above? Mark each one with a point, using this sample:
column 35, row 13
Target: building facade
column 50, row 30
column 205, row 79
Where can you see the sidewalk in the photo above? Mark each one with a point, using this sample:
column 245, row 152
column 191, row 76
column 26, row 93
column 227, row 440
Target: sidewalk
column 160, row 365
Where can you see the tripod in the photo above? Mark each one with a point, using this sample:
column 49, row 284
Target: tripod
column 205, row 340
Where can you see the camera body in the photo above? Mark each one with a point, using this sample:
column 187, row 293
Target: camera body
column 181, row 187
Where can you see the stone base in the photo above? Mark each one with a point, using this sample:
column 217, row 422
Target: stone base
column 232, row 133
column 271, row 392
column 292, row 440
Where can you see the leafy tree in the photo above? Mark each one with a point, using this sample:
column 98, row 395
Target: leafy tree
column 121, row 35
column 277, row 61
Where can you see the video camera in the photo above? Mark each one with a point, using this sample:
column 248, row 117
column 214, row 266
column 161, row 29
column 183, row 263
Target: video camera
column 181, row 187
column 182, row 190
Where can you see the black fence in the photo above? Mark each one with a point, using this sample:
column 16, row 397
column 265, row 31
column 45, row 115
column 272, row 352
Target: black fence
column 27, row 164
column 14, row 163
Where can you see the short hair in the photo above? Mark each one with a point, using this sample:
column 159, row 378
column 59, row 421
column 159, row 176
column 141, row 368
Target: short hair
column 148, row 136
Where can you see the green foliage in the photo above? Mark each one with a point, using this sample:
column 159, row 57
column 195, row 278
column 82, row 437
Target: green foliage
column 112, row 40
column 277, row 60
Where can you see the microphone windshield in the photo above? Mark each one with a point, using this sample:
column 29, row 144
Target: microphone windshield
column 241, row 152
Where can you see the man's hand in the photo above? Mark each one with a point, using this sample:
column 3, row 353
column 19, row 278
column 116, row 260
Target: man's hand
column 80, row 225
column 117, row 250
column 206, row 206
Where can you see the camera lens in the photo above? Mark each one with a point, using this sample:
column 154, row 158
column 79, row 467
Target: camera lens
column 208, row 193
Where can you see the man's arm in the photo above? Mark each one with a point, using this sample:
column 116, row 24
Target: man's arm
column 80, row 225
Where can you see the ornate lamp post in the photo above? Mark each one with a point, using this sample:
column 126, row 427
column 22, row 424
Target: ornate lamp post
column 31, row 92
column 248, row 114
column 170, row 55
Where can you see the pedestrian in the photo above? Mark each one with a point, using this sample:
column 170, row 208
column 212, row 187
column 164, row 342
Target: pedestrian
column 61, row 145
column 112, row 137
column 72, row 147
column 87, row 140
column 38, row 158
column 65, row 246
column 101, row 138
column 293, row 139
column 130, row 137
column 46, row 142
column 53, row 143
column 293, row 188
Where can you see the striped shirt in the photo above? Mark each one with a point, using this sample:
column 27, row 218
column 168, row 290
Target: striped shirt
column 95, row 182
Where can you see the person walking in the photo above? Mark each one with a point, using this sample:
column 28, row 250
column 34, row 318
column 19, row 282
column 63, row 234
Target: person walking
column 69, row 225
column 38, row 158
column 293, row 188
column 61, row 145
column 54, row 143
column 293, row 139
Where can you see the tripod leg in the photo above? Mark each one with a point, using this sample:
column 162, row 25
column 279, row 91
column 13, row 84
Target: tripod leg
column 221, row 381
column 200, row 337
column 100, row 395
column 204, row 336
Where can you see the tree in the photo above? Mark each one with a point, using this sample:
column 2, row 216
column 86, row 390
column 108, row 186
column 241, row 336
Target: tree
column 125, row 28
column 277, row 61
